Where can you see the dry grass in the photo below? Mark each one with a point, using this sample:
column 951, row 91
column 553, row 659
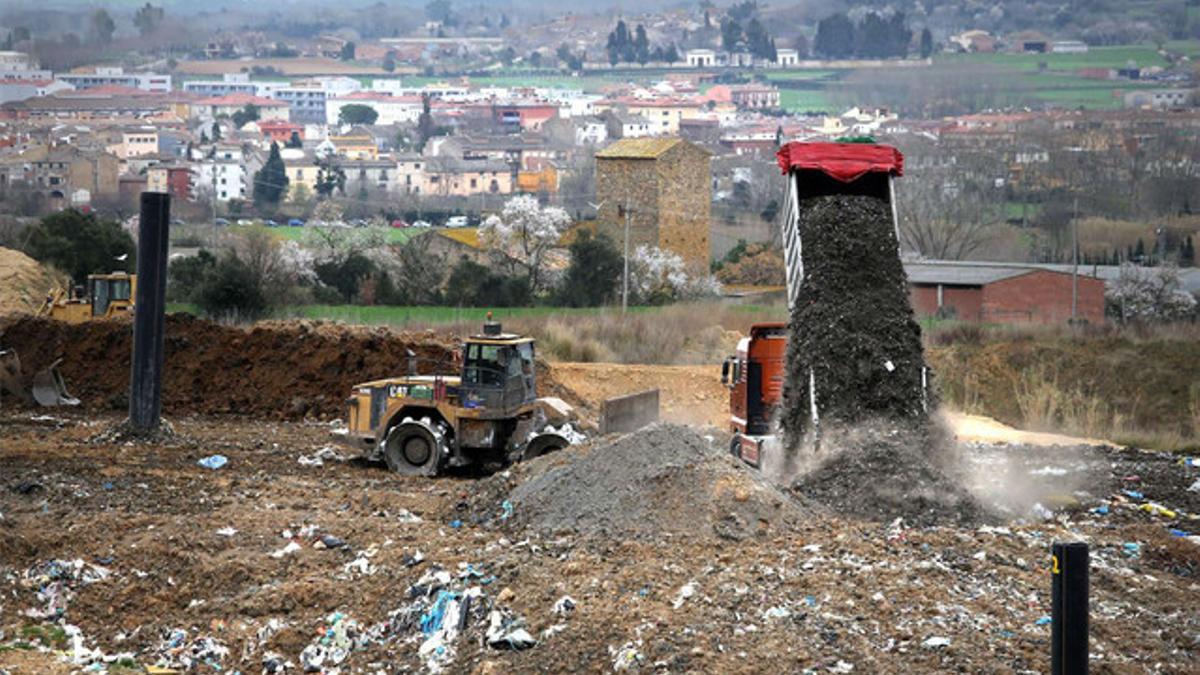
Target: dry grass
column 683, row 334
column 1135, row 386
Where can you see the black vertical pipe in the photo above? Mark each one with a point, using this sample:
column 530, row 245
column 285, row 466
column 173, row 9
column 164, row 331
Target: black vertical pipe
column 1069, row 605
column 145, row 385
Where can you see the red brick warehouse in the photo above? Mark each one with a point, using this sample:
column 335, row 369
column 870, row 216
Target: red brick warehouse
column 1002, row 293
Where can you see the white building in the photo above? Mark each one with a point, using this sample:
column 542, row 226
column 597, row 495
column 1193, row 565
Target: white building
column 18, row 66
column 222, row 176
column 231, row 83
column 1159, row 99
column 306, row 98
column 786, row 58
column 700, row 58
column 1069, row 47
column 391, row 109
column 591, row 131
column 110, row 76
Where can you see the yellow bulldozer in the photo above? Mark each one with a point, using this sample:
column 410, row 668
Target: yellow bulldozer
column 486, row 413
column 106, row 296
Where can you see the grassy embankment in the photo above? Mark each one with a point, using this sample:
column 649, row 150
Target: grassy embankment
column 1135, row 386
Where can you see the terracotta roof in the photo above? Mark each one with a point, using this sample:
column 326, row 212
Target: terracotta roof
column 638, row 148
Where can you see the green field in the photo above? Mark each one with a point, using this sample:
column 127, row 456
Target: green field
column 392, row 234
column 425, row 316
column 1142, row 56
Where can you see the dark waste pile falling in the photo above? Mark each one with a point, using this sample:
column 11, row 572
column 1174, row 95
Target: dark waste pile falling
column 855, row 343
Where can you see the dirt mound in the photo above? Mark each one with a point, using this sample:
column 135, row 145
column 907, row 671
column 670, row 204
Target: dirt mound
column 275, row 369
column 853, row 335
column 24, row 282
column 881, row 471
column 663, row 480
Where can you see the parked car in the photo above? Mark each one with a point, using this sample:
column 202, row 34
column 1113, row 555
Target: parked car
column 421, row 223
column 272, row 223
column 295, row 222
column 400, row 224
column 221, row 221
column 457, row 221
column 245, row 222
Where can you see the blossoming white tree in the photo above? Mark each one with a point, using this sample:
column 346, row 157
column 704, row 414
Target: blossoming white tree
column 1150, row 294
column 522, row 234
column 657, row 276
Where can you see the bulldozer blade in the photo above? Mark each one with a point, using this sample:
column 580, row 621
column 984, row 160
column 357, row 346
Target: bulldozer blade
column 49, row 389
column 10, row 376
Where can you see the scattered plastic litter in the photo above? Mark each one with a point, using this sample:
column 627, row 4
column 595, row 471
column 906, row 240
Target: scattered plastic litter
column 291, row 547
column 626, row 657
column 1158, row 510
column 687, row 591
column 1132, row 550
column 1042, row 512
column 414, row 559
column 506, row 632
column 1043, row 621
column 406, row 516
column 318, row 458
column 177, row 651
column 1195, row 487
column 214, row 461
column 507, row 508
column 564, row 605
column 329, row 541
column 226, row 532
column 55, row 582
column 1101, row 510
column 336, row 642
column 1133, row 494
column 936, row 642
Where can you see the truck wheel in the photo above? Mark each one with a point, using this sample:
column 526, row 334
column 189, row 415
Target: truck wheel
column 414, row 449
column 544, row 445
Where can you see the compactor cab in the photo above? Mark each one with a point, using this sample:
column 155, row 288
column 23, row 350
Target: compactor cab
column 498, row 370
column 486, row 413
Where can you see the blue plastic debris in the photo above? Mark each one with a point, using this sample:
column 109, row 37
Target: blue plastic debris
column 1101, row 510
column 1132, row 549
column 431, row 621
column 810, row 600
column 456, row 523
column 1043, row 621
column 1007, row 634
column 108, row 486
column 214, row 462
column 1133, row 494
column 1178, row 533
column 1193, row 462
column 508, row 510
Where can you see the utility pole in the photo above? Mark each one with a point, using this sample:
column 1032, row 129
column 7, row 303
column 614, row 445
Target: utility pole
column 1075, row 261
column 625, row 274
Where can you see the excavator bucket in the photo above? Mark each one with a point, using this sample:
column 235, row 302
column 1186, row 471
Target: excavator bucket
column 10, row 376
column 50, row 390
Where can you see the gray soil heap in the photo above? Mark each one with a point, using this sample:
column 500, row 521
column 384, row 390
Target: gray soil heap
column 663, row 480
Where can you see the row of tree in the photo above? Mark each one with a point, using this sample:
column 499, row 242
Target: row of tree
column 875, row 37
column 626, row 47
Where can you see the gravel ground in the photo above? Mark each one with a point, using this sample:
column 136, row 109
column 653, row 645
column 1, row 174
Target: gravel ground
column 165, row 545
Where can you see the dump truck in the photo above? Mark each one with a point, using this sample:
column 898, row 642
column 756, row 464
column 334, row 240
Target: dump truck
column 756, row 374
column 106, row 296
column 486, row 413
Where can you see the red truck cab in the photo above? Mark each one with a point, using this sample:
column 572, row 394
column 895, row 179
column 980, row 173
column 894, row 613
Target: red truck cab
column 755, row 376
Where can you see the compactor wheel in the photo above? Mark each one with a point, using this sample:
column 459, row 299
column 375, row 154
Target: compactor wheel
column 543, row 444
column 415, row 448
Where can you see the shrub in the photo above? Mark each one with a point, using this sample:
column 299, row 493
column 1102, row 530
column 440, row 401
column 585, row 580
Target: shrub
column 185, row 276
column 230, row 290
column 594, row 274
column 81, row 244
